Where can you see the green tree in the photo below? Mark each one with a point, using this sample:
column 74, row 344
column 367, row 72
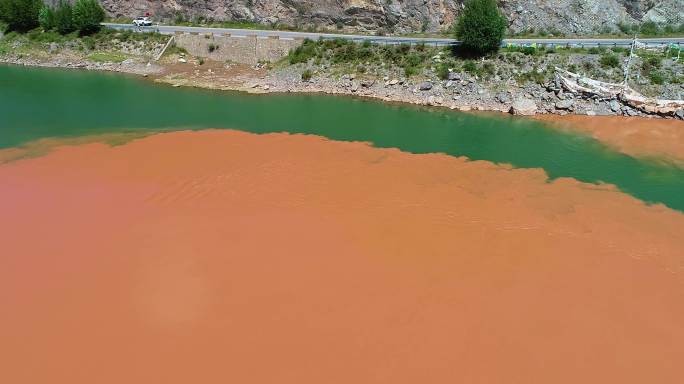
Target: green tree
column 481, row 27
column 88, row 14
column 46, row 18
column 64, row 18
column 20, row 15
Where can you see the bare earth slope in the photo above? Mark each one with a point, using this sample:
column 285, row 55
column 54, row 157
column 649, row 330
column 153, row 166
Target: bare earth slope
column 567, row 16
column 227, row 257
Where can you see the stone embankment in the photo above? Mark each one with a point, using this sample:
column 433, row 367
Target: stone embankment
column 238, row 49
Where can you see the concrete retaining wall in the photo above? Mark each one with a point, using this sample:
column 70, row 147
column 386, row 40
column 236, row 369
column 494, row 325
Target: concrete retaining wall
column 239, row 49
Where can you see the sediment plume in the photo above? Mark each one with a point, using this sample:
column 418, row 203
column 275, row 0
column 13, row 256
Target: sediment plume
column 634, row 136
column 222, row 256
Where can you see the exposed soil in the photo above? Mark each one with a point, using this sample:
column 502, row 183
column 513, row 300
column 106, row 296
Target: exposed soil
column 221, row 256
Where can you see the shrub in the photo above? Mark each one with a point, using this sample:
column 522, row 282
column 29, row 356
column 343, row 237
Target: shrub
column 488, row 69
column 44, row 37
column 88, row 43
column 657, row 78
column 20, row 15
column 410, row 71
column 481, row 27
column 610, row 61
column 88, row 14
column 212, row 47
column 649, row 28
column 626, row 28
column 443, row 71
column 303, row 53
column 470, row 67
column 307, row 75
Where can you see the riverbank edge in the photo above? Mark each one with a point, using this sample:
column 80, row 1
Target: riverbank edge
column 278, row 81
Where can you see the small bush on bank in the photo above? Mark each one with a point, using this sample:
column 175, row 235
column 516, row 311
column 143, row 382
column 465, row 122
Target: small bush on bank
column 303, row 53
column 470, row 67
column 610, row 61
column 657, row 78
column 307, row 75
column 443, row 71
column 649, row 28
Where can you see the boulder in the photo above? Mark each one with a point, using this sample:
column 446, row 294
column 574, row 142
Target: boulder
column 503, row 98
column 614, row 106
column 453, row 76
column 426, row 86
column 524, row 106
column 680, row 114
column 566, row 105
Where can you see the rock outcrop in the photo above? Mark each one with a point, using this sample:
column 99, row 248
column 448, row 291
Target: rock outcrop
column 403, row 16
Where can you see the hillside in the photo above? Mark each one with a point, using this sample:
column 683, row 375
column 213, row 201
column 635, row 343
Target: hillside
column 406, row 16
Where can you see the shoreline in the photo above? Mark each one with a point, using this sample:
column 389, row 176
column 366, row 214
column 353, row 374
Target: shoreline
column 282, row 81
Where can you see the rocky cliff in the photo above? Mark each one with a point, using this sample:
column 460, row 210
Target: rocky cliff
column 405, row 16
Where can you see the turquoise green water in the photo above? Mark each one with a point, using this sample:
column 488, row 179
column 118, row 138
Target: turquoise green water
column 39, row 103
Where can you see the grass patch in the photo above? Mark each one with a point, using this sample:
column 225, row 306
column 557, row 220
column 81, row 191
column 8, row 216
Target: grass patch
column 610, row 61
column 362, row 56
column 107, row 57
column 175, row 50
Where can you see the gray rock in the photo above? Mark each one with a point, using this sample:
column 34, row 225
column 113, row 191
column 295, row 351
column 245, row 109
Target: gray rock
column 567, row 105
column 426, row 86
column 355, row 87
column 503, row 98
column 614, row 106
column 524, row 107
column 632, row 112
column 453, row 76
column 680, row 113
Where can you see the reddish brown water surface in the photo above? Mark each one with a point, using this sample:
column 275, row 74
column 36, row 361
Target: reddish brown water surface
column 631, row 135
column 228, row 257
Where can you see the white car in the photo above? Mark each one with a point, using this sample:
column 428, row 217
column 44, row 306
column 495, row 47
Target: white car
column 142, row 22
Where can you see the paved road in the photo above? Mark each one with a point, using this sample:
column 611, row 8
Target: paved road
column 170, row 29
